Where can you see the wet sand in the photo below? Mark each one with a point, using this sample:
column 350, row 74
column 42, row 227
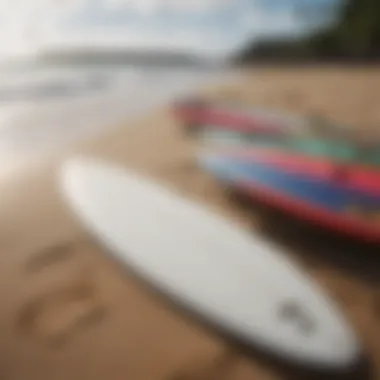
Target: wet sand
column 68, row 311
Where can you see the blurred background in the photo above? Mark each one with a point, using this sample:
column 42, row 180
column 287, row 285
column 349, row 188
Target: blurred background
column 101, row 78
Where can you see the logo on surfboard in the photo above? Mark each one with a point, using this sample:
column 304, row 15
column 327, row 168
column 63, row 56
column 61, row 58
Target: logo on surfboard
column 293, row 313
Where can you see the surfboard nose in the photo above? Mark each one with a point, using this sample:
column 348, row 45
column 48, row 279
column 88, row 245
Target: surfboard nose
column 79, row 170
column 77, row 176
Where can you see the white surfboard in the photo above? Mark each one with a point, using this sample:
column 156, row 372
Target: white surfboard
column 238, row 282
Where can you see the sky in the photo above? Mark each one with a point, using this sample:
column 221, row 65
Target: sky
column 208, row 26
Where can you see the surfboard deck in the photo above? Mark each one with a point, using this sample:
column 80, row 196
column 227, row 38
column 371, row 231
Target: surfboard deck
column 327, row 203
column 237, row 282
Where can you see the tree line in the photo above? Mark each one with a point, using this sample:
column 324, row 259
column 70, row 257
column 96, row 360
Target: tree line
column 353, row 36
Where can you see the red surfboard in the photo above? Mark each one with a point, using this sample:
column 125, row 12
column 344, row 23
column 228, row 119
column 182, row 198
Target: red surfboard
column 196, row 114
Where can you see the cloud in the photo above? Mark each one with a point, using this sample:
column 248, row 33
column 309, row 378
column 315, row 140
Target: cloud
column 174, row 5
column 263, row 21
column 213, row 25
column 23, row 23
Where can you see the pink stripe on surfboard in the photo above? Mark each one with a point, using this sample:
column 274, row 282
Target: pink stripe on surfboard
column 355, row 176
column 230, row 121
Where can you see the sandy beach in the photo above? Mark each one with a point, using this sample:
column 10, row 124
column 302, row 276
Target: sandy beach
column 69, row 312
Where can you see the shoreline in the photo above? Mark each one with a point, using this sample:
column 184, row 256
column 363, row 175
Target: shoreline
column 36, row 129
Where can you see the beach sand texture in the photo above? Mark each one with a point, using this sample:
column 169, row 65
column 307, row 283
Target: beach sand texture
column 69, row 312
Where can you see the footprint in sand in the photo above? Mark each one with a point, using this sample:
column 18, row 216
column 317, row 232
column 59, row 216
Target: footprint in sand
column 50, row 256
column 62, row 310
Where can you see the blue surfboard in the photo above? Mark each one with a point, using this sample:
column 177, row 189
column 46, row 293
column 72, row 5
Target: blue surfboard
column 326, row 202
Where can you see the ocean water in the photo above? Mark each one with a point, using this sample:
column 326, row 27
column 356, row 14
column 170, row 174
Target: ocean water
column 46, row 107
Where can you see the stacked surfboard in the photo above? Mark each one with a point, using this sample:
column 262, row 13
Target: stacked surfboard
column 310, row 169
column 342, row 197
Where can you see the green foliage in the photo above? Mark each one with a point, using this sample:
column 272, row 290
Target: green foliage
column 358, row 28
column 355, row 34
